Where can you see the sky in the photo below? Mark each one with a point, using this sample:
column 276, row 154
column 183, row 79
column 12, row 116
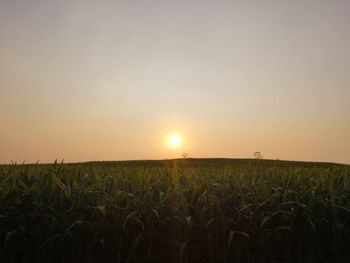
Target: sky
column 110, row 80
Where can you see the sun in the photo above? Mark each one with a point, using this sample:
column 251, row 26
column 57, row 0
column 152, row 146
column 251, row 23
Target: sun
column 174, row 140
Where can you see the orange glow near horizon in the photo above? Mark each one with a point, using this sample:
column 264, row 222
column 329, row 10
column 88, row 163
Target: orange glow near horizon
column 116, row 80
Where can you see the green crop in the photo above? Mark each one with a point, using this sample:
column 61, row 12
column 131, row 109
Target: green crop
column 190, row 210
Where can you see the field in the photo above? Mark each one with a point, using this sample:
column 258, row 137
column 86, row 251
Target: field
column 185, row 210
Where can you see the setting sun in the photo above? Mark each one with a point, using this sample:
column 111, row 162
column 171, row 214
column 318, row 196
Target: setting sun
column 175, row 131
column 174, row 140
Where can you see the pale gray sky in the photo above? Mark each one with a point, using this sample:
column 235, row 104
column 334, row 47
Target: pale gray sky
column 109, row 80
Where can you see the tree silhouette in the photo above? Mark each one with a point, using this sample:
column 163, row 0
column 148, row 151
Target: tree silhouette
column 258, row 155
column 185, row 155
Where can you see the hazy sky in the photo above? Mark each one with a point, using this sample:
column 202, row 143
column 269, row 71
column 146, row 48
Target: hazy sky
column 109, row 80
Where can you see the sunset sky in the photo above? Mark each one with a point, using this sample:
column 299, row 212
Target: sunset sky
column 112, row 80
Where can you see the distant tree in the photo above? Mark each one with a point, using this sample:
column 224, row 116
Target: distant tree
column 185, row 155
column 258, row 155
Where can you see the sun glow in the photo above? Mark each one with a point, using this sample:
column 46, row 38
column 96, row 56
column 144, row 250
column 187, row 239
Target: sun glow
column 174, row 140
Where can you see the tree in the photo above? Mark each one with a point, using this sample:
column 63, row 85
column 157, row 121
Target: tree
column 185, row 155
column 258, row 155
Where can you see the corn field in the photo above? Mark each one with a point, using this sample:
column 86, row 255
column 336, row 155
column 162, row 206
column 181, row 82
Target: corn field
column 188, row 210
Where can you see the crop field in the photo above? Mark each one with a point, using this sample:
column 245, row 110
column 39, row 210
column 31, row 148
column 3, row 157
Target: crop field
column 184, row 210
